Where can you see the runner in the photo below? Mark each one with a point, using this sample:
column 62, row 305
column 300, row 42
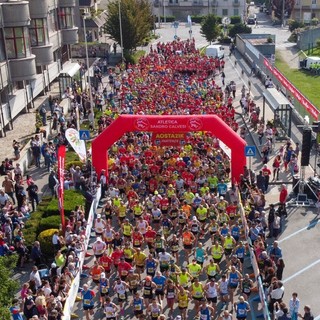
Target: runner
column 87, row 301
column 197, row 293
column 241, row 308
column 138, row 306
column 120, row 288
column 183, row 301
column 110, row 309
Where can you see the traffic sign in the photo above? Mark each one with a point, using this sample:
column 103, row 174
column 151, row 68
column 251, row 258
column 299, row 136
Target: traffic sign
column 250, row 151
column 84, row 134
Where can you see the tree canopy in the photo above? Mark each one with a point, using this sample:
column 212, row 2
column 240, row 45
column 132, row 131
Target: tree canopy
column 8, row 286
column 277, row 7
column 136, row 20
column 239, row 28
column 210, row 28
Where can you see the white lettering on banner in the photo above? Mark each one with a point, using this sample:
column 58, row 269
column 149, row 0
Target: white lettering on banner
column 294, row 91
column 73, row 292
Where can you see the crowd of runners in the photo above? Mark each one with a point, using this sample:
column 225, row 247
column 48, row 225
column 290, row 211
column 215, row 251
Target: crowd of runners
column 170, row 242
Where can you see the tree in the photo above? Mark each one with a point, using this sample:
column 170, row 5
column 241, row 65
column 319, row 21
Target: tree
column 136, row 20
column 277, row 6
column 210, row 28
column 8, row 286
column 239, row 28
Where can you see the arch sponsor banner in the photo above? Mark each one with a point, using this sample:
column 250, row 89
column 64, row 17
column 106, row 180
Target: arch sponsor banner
column 166, row 139
column 170, row 124
column 309, row 107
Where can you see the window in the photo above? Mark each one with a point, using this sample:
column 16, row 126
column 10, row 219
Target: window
column 2, row 47
column 236, row 12
column 224, row 12
column 17, row 42
column 52, row 22
column 38, row 32
column 66, row 18
column 314, row 2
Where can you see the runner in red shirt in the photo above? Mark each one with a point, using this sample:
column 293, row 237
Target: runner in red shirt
column 150, row 238
column 116, row 255
column 137, row 238
column 106, row 262
column 164, row 205
column 123, row 268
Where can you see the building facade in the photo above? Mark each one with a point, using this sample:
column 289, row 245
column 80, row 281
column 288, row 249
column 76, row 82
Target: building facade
column 35, row 39
column 180, row 9
column 306, row 10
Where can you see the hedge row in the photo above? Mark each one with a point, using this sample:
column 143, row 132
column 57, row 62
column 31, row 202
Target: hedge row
column 47, row 215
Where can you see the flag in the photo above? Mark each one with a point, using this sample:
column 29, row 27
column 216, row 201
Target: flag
column 72, row 135
column 189, row 20
column 61, row 161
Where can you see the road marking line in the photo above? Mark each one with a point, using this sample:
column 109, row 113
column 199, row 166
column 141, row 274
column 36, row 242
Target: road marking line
column 312, row 224
column 301, row 271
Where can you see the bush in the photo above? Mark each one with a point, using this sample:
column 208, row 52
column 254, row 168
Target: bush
column 72, row 199
column 133, row 58
column 31, row 228
column 45, row 239
column 52, row 222
column 314, row 21
column 197, row 19
column 239, row 28
column 168, row 19
column 235, row 19
column 293, row 25
column 225, row 40
column 73, row 163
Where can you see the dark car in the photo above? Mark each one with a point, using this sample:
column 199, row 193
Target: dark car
column 251, row 20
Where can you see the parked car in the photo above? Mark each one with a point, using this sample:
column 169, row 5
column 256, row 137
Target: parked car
column 252, row 19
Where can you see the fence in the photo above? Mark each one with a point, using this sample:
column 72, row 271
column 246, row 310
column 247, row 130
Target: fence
column 254, row 264
column 73, row 292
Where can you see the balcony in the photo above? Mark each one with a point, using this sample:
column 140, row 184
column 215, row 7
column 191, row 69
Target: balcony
column 70, row 36
column 23, row 69
column 67, row 3
column 44, row 54
column 16, row 14
column 38, row 9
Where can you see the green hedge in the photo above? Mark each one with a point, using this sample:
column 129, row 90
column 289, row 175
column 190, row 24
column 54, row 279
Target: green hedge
column 73, row 163
column 72, row 199
column 52, row 222
column 45, row 239
column 168, row 19
column 197, row 19
column 235, row 19
column 47, row 215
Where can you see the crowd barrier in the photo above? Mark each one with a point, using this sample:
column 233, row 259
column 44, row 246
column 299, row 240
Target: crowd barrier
column 73, row 292
column 254, row 264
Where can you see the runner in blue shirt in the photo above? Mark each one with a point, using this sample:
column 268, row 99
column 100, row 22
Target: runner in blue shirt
column 206, row 311
column 242, row 308
column 87, row 301
column 200, row 254
column 160, row 281
column 137, row 306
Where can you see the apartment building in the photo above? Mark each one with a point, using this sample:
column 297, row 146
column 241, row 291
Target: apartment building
column 35, row 39
column 180, row 9
column 306, row 10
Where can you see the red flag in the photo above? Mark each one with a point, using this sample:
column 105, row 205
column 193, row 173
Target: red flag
column 61, row 160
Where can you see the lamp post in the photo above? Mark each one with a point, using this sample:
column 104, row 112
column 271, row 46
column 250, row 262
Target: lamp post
column 84, row 16
column 120, row 26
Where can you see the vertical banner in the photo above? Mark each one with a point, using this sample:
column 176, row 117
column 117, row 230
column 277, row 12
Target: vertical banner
column 61, row 160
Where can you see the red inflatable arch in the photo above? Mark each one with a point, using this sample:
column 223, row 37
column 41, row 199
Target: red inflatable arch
column 171, row 124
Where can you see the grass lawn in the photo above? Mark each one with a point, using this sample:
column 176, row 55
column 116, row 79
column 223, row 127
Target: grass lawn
column 314, row 53
column 305, row 82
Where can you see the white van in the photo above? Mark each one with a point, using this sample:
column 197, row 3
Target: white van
column 215, row 50
column 306, row 62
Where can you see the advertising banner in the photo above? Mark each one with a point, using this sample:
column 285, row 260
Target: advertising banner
column 79, row 146
column 161, row 139
column 307, row 105
column 61, row 160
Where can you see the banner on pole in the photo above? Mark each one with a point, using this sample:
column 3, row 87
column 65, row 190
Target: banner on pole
column 61, row 162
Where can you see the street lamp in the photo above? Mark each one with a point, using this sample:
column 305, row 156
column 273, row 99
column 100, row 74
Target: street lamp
column 84, row 16
column 120, row 25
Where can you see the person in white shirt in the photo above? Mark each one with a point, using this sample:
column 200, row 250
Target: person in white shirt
column 35, row 275
column 294, row 305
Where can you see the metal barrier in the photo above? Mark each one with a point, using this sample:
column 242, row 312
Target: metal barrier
column 254, row 263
